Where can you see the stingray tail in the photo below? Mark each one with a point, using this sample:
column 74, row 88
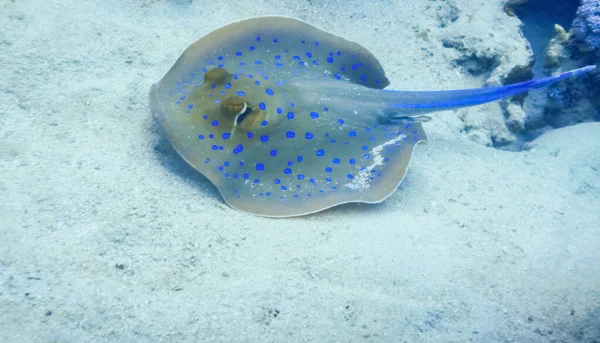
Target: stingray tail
column 411, row 103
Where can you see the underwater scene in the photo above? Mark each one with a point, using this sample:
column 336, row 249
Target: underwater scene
column 300, row 171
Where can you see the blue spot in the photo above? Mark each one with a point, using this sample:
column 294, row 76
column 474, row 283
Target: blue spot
column 279, row 110
column 290, row 115
column 264, row 138
column 257, row 62
column 314, row 115
column 277, row 57
column 330, row 59
column 257, row 83
column 211, row 136
column 277, row 181
column 299, row 159
column 287, row 171
column 220, row 65
column 320, row 152
column 200, row 136
column 249, row 76
column 238, row 149
column 215, row 123
column 335, row 161
column 235, row 176
column 264, row 123
column 278, row 64
column 290, row 163
column 300, row 177
column 351, row 161
column 240, row 93
column 313, row 181
column 325, row 109
column 297, row 58
column 350, row 176
column 250, row 135
column 328, row 170
column 269, row 91
column 308, row 54
column 367, row 156
column 308, row 135
column 226, row 135
column 337, row 76
column 365, row 147
column 205, row 116
column 283, row 188
column 252, row 47
column 258, row 39
column 273, row 152
column 215, row 147
column 317, row 43
column 290, row 134
column 226, row 164
column 328, row 179
column 352, row 133
column 341, row 121
column 190, row 106
column 275, row 40
column 260, row 166
column 262, row 106
column 246, row 175
column 227, row 85
column 316, row 63
column 268, row 193
column 239, row 53
column 256, row 181
column 363, row 78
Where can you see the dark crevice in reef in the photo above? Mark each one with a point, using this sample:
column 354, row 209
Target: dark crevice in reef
column 539, row 18
column 562, row 37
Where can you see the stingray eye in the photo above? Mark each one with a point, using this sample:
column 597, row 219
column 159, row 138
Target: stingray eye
column 216, row 76
column 242, row 115
column 251, row 119
column 233, row 106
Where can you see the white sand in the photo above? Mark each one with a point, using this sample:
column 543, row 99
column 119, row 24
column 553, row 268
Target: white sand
column 107, row 236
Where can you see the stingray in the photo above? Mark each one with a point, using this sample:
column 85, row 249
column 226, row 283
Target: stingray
column 286, row 119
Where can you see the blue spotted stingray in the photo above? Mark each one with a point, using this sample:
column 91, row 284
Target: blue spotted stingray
column 286, row 119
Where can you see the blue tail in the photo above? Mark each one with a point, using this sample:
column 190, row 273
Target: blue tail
column 415, row 102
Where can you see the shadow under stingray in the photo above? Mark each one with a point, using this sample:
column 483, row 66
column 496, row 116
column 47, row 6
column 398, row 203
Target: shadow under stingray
column 176, row 165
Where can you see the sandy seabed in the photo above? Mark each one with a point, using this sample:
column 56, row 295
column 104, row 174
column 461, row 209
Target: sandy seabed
column 106, row 235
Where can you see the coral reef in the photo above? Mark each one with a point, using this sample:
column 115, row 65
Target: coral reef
column 586, row 27
column 572, row 101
